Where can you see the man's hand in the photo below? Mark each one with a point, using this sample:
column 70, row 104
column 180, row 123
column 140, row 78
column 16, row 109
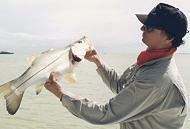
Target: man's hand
column 92, row 56
column 53, row 86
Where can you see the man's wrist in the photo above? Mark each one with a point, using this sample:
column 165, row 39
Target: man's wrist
column 61, row 97
column 98, row 63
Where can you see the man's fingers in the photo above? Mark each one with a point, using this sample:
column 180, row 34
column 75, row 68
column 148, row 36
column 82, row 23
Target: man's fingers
column 90, row 53
column 94, row 52
column 47, row 84
column 52, row 77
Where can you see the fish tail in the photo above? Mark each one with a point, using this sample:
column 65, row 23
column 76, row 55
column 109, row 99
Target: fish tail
column 6, row 88
column 13, row 99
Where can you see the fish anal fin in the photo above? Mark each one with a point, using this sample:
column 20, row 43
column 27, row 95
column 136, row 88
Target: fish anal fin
column 39, row 88
column 70, row 77
column 13, row 102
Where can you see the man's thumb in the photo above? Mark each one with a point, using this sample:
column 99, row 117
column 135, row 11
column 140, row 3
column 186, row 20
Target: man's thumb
column 52, row 77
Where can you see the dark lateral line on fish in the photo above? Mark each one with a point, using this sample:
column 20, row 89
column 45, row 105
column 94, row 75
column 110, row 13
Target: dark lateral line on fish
column 40, row 71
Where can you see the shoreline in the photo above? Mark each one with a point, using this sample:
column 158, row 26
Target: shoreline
column 5, row 52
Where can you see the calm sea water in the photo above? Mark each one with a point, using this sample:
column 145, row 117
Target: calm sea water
column 46, row 112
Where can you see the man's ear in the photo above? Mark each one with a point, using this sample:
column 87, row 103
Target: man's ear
column 169, row 40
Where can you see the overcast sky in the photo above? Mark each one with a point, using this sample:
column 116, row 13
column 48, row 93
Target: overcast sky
column 34, row 25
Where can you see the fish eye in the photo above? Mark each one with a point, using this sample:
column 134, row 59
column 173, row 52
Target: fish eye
column 79, row 41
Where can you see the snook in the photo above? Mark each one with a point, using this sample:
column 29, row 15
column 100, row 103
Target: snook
column 60, row 61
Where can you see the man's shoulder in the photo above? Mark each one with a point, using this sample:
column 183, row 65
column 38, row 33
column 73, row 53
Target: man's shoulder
column 157, row 67
column 155, row 73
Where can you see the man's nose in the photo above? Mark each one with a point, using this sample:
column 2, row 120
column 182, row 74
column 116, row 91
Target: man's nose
column 142, row 28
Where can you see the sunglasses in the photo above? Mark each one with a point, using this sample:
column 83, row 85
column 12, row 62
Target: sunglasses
column 148, row 28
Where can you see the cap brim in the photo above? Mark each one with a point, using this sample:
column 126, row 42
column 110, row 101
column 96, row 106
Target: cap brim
column 142, row 17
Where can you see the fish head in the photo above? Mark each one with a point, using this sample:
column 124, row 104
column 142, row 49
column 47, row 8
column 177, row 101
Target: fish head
column 79, row 48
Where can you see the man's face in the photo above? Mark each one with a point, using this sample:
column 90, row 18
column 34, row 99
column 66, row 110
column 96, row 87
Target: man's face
column 154, row 38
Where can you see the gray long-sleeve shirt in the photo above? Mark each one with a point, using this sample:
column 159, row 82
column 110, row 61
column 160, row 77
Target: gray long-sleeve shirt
column 151, row 96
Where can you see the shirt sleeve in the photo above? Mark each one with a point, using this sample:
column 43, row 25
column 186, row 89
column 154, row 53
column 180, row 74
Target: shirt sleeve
column 133, row 102
column 109, row 77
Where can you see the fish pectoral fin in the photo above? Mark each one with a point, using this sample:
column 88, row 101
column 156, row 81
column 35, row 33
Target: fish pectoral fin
column 39, row 89
column 70, row 77
column 13, row 102
column 30, row 59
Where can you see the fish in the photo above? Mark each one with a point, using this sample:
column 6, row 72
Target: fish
column 61, row 62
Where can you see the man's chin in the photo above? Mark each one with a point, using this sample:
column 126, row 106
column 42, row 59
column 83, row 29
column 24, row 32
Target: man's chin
column 143, row 41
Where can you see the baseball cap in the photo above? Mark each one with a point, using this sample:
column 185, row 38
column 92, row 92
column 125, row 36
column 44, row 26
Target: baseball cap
column 167, row 18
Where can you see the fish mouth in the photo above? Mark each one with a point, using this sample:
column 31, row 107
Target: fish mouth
column 76, row 58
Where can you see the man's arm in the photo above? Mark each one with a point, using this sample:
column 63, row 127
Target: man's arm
column 109, row 76
column 131, row 103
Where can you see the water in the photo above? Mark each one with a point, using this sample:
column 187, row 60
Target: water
column 46, row 112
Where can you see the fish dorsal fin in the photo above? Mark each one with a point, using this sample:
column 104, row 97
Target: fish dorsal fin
column 39, row 88
column 70, row 77
column 51, row 49
column 30, row 59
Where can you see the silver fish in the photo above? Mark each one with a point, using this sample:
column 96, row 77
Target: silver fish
column 59, row 61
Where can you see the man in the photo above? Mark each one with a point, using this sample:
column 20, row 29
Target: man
column 150, row 93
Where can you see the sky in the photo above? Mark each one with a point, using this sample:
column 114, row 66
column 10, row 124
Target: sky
column 30, row 26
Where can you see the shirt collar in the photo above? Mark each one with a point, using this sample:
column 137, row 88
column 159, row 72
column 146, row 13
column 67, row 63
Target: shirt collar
column 148, row 55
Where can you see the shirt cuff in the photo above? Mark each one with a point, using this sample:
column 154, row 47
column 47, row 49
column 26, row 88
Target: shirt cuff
column 101, row 69
column 68, row 97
